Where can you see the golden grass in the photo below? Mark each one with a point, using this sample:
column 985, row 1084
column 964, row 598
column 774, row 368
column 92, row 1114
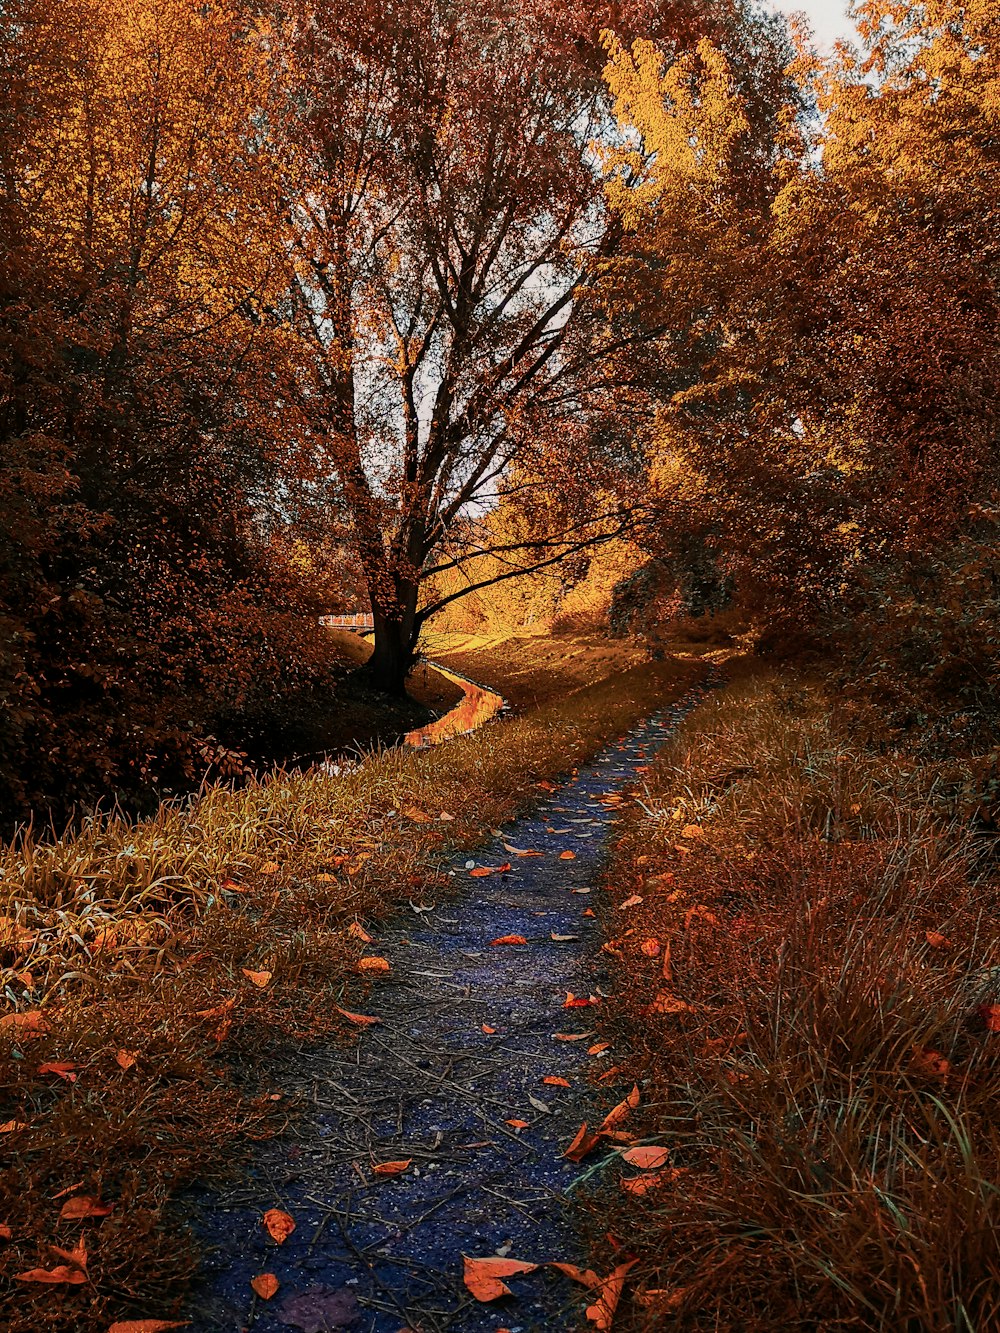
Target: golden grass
column 813, row 1031
column 125, row 950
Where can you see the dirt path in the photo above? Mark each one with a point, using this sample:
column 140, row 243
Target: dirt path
column 429, row 1084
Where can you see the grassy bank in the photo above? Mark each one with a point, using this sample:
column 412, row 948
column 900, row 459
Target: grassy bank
column 144, row 961
column 806, row 940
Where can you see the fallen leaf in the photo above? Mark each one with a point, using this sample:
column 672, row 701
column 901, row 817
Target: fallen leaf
column 488, row 1030
column 582, row 1144
column 567, row 856
column 602, row 1312
column 126, row 1059
column 692, row 831
column 73, row 1271
column 12, row 1126
column 278, row 1224
column 669, row 1004
column 270, row 868
column 260, row 979
column 358, row 932
column 651, row 948
column 232, row 886
column 990, row 1014
column 510, row 939
column 362, row 1020
column 219, row 1011
column 391, row 1168
column 665, row 1299
column 587, row 911
column 598, row 1047
column 480, row 872
column 634, row 901
column 555, row 1081
column 417, row 815
column 68, row 1190
column 666, row 970
column 702, row 913
column 62, row 1068
column 5, row 1232
column 519, row 1124
column 579, row 1001
column 29, row 1024
column 521, row 851
column 148, row 1325
column 571, row 1036
column 84, row 1205
column 929, row 1063
column 936, row 940
column 586, row 1276
column 649, row 1158
column 619, row 1113
column 265, row 1285
column 371, row 966
column 562, row 939
column 483, row 1277
column 540, row 1105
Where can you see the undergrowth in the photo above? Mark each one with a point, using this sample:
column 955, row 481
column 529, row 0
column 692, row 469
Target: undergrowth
column 807, row 949
column 146, row 964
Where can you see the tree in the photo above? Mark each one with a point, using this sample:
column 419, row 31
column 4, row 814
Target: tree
column 445, row 206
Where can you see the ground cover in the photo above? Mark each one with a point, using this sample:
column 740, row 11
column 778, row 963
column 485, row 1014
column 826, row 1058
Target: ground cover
column 146, row 961
column 805, row 932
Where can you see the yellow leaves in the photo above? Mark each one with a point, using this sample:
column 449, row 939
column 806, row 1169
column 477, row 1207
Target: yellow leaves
column 278, row 1224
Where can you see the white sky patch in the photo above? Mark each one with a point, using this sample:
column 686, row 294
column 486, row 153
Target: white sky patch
column 828, row 19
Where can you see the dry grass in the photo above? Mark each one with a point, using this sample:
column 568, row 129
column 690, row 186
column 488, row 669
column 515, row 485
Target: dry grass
column 828, row 1086
column 124, row 948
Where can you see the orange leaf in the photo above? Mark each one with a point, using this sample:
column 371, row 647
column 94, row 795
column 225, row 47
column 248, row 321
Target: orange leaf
column 63, row 1068
column 391, row 1168
column 270, row 868
column 692, row 831
column 579, row 1001
column 362, row 1020
column 84, row 1205
column 29, row 1024
column 936, row 940
column 369, row 966
column 587, row 911
column 602, row 1312
column 567, row 856
column 231, row 886
column 582, row 1144
column 5, row 1232
column 147, row 1325
column 258, row 978
column 265, row 1285
column 502, row 869
column 219, row 1011
column 519, row 1124
column 483, row 1276
column 598, row 1047
column 631, row 902
column 52, row 1276
column 929, row 1063
column 480, row 872
column 510, row 939
column 586, row 1276
column 555, row 1081
column 126, row 1058
column 649, row 1158
column 651, row 948
column 488, row 1030
column 12, row 1126
column 571, row 1036
column 620, row 1112
column 358, row 932
column 417, row 815
column 669, row 1004
column 278, row 1224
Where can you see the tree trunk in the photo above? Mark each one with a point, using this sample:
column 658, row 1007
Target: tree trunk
column 393, row 657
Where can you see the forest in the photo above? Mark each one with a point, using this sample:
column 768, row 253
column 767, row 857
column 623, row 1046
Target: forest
column 630, row 368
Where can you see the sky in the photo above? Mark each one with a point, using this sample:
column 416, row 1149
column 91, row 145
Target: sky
column 828, row 18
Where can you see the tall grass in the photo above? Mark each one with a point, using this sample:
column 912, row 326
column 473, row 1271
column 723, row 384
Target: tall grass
column 125, row 949
column 832, row 1093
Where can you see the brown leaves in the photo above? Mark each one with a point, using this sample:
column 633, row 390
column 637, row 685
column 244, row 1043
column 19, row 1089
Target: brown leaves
column 126, row 1059
column 665, row 1003
column 483, row 1277
column 64, row 1069
column 619, row 1114
column 602, row 1312
column 278, row 1224
column 72, row 1271
column 82, row 1206
column 358, row 932
column 648, row 1157
column 510, row 939
column 579, row 1001
column 936, row 940
column 582, row 1144
column 360, row 1020
column 567, row 855
column 259, row 979
column 391, row 1168
column 265, row 1285
column 373, row 966
column 990, row 1014
column 29, row 1024
column 418, row 816
column 555, row 1081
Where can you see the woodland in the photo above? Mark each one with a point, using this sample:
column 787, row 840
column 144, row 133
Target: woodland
column 603, row 352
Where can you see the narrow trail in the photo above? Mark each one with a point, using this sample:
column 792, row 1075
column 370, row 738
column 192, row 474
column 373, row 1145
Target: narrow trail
column 384, row 1253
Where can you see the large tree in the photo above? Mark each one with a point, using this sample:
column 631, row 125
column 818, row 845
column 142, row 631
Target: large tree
column 445, row 206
